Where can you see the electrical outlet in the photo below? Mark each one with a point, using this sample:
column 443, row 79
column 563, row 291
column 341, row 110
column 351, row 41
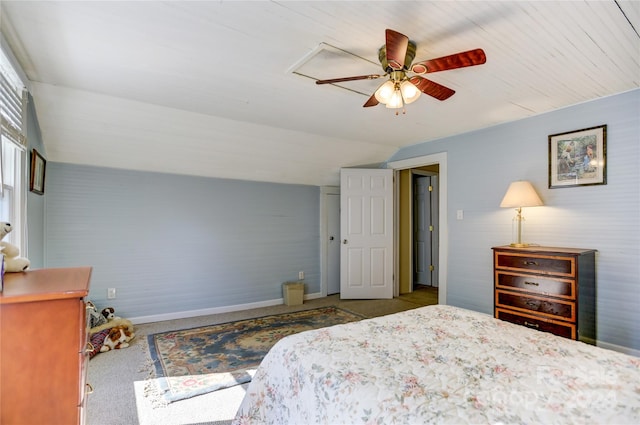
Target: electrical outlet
column 300, row 275
column 111, row 293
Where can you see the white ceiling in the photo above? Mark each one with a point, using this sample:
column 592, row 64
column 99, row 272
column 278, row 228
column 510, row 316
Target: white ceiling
column 207, row 88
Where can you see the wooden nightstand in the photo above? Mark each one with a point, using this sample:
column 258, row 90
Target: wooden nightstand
column 545, row 288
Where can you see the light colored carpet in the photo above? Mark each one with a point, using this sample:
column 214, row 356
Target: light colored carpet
column 120, row 377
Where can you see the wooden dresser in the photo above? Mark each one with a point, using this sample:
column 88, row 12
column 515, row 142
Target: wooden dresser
column 545, row 288
column 43, row 342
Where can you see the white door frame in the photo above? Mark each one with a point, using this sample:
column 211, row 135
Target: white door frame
column 443, row 251
column 324, row 237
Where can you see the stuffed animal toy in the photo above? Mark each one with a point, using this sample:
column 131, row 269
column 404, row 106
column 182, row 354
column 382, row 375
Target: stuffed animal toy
column 119, row 337
column 109, row 313
column 107, row 331
column 95, row 318
column 12, row 261
column 98, row 319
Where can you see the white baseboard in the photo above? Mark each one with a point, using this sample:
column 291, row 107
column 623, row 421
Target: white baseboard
column 313, row 296
column 213, row 310
column 619, row 348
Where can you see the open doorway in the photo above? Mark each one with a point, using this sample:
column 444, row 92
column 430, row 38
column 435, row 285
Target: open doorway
column 425, row 232
column 419, row 229
column 406, row 171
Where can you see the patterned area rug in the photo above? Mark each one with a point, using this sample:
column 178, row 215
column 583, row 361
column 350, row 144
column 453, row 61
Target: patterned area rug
column 196, row 361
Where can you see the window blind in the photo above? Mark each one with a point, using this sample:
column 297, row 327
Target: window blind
column 12, row 104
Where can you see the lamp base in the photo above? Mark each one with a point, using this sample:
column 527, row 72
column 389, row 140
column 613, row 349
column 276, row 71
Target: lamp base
column 519, row 245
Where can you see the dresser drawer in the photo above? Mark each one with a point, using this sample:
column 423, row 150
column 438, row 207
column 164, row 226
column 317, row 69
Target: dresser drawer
column 533, row 263
column 566, row 330
column 563, row 310
column 546, row 288
column 563, row 288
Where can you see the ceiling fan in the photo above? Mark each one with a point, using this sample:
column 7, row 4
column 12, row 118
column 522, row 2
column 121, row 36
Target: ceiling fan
column 396, row 57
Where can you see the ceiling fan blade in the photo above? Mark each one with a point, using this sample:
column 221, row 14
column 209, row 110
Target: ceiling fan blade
column 436, row 90
column 371, row 102
column 396, row 46
column 340, row 80
column 457, row 60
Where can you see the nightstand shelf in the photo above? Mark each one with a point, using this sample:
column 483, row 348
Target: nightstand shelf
column 546, row 288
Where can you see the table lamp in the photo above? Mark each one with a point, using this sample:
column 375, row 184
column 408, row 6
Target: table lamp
column 520, row 194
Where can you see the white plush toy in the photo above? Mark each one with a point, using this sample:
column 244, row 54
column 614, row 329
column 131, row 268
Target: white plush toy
column 12, row 261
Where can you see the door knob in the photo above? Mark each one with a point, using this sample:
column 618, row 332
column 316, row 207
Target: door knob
column 344, row 241
column 331, row 238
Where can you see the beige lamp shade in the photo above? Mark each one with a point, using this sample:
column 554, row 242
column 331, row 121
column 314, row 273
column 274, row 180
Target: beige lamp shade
column 521, row 194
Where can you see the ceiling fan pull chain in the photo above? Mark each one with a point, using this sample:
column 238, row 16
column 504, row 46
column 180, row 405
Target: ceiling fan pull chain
column 404, row 112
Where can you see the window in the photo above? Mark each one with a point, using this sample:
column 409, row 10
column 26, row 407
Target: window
column 13, row 156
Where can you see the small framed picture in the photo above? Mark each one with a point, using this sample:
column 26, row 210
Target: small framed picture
column 578, row 158
column 38, row 165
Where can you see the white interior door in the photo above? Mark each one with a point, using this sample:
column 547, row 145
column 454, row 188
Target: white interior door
column 366, row 228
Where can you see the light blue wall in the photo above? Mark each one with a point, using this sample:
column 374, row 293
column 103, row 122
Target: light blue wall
column 172, row 243
column 35, row 203
column 481, row 165
column 175, row 243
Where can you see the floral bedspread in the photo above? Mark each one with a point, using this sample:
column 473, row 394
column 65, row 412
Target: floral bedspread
column 440, row 364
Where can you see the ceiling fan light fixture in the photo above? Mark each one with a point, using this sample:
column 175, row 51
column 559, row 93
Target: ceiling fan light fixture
column 385, row 92
column 410, row 92
column 396, row 100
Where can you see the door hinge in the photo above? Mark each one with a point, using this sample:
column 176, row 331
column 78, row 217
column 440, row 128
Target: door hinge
column 431, row 268
column 431, row 228
column 430, row 188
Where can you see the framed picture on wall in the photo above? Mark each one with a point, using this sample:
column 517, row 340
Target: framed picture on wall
column 578, row 158
column 38, row 165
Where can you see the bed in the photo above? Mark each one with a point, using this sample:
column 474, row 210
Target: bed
column 440, row 364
